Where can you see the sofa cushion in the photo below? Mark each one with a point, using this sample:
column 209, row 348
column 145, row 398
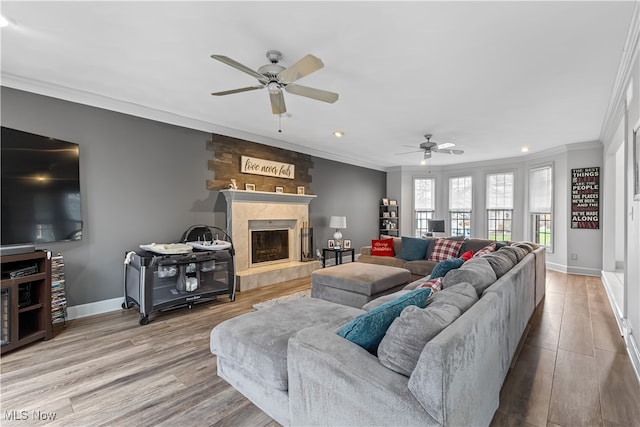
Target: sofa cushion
column 435, row 284
column 443, row 267
column 500, row 261
column 263, row 350
column 388, row 261
column 477, row 271
column 413, row 249
column 421, row 267
column 397, row 242
column 518, row 252
column 463, row 296
column 503, row 250
column 384, row 298
column 368, row 329
column 474, row 245
column 402, row 345
column 530, row 245
column 445, row 249
column 382, row 247
column 487, row 249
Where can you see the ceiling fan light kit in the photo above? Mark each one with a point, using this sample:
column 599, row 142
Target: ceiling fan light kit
column 275, row 77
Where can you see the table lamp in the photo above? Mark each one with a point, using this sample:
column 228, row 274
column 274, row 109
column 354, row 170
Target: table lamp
column 338, row 222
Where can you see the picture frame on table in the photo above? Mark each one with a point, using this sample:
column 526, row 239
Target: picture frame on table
column 347, row 244
column 331, row 243
column 301, row 189
column 250, row 187
column 279, row 189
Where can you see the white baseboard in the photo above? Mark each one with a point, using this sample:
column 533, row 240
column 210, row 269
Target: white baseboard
column 93, row 308
column 634, row 353
column 582, row 271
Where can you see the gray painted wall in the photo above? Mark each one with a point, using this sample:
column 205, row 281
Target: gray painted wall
column 144, row 181
column 351, row 191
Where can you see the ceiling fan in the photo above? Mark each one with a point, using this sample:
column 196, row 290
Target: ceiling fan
column 275, row 77
column 429, row 147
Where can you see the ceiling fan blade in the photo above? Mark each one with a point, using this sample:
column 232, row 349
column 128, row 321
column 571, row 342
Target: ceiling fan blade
column 309, row 92
column 242, row 89
column 303, row 67
column 277, row 103
column 408, row 152
column 238, row 66
column 446, row 151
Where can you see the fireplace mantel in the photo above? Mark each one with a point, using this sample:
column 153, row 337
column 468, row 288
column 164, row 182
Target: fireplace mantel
column 266, row 196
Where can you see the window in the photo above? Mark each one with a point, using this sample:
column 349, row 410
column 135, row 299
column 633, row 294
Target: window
column 499, row 205
column 460, row 203
column 540, row 201
column 423, row 202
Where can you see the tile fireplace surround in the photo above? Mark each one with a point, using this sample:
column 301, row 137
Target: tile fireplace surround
column 247, row 208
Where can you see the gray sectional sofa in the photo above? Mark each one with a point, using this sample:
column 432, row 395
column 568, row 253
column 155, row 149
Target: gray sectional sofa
column 418, row 268
column 290, row 362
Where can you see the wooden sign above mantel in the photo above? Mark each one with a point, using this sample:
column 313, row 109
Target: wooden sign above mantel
column 228, row 162
column 263, row 167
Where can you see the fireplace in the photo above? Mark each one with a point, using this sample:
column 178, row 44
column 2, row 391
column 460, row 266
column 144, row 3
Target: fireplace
column 257, row 211
column 269, row 246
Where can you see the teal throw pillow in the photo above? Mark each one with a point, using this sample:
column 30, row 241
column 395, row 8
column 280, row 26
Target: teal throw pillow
column 443, row 267
column 413, row 249
column 368, row 329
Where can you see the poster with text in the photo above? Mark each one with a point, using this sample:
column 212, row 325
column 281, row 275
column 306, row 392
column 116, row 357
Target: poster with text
column 585, row 198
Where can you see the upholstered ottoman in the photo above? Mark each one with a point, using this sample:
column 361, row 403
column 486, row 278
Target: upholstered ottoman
column 356, row 283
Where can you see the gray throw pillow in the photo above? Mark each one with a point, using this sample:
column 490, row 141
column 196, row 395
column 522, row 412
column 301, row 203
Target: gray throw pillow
column 501, row 261
column 477, row 271
column 402, row 345
column 518, row 252
column 462, row 296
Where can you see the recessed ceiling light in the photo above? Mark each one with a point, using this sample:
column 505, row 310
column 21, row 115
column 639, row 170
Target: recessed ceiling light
column 338, row 133
column 524, row 149
column 3, row 21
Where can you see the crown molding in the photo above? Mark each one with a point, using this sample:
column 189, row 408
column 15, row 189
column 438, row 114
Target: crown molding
column 112, row 104
column 617, row 102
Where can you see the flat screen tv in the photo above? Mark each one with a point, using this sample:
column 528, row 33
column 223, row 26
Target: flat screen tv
column 40, row 189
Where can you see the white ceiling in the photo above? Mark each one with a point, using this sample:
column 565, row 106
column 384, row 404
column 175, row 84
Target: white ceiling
column 490, row 77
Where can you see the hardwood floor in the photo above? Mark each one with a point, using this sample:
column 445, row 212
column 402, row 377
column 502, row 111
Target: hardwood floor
column 573, row 369
column 107, row 370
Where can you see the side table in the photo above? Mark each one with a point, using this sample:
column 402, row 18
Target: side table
column 338, row 255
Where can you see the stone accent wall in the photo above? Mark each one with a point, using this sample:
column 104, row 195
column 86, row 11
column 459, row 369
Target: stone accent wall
column 226, row 165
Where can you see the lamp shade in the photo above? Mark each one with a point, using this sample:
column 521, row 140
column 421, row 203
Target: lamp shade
column 338, row 222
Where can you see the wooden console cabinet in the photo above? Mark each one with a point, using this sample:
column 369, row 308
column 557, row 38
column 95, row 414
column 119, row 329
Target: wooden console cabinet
column 25, row 303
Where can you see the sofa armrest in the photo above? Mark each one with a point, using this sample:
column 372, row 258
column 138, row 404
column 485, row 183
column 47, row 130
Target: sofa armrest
column 457, row 376
column 365, row 250
column 335, row 382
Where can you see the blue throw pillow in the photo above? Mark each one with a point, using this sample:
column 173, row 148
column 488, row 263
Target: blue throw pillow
column 443, row 267
column 368, row 329
column 413, row 249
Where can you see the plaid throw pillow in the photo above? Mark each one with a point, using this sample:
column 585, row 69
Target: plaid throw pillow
column 445, row 249
column 434, row 284
column 487, row 249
